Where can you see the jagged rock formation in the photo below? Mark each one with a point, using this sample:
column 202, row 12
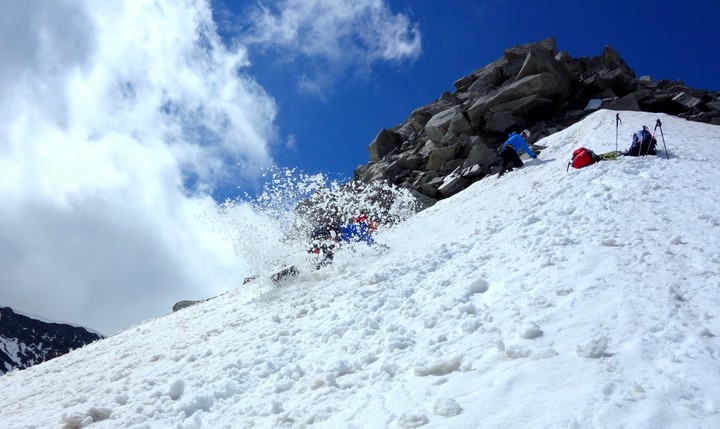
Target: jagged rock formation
column 443, row 147
column 25, row 342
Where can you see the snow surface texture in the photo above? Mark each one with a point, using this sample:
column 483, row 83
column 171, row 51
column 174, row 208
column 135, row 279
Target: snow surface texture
column 542, row 299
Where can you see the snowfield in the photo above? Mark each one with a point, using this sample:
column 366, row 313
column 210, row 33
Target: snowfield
column 541, row 299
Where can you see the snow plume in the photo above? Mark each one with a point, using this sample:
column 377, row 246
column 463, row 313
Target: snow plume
column 273, row 230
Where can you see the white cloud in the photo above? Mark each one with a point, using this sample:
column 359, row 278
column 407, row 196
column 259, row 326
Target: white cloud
column 338, row 34
column 291, row 143
column 117, row 119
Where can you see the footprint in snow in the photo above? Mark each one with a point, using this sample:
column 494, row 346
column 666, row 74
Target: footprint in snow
column 516, row 351
column 564, row 291
column 530, row 331
column 412, row 420
column 610, row 242
column 594, row 349
column 677, row 240
column 479, row 286
column 447, row 408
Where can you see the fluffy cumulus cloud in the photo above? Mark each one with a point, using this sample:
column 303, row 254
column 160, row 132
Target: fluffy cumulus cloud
column 117, row 120
column 336, row 35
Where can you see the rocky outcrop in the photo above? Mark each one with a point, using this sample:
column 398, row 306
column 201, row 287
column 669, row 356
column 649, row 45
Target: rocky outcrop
column 25, row 341
column 184, row 304
column 450, row 143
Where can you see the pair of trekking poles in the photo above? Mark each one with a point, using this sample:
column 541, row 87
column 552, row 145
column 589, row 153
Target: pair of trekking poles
column 658, row 124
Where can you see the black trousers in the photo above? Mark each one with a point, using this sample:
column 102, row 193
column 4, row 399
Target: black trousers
column 509, row 159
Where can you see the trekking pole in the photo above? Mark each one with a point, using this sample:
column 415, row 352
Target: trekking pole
column 659, row 124
column 652, row 137
column 617, row 122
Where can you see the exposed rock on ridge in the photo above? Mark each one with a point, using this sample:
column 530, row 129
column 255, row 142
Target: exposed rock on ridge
column 25, row 342
column 443, row 147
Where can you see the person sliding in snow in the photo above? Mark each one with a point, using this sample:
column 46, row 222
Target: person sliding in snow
column 643, row 143
column 360, row 229
column 509, row 152
column 323, row 241
column 326, row 238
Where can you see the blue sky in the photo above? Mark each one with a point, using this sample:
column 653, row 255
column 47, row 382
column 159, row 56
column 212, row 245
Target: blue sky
column 332, row 130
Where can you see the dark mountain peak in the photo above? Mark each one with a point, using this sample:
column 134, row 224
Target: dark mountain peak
column 25, row 341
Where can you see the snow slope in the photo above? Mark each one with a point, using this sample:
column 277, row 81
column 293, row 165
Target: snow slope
column 542, row 299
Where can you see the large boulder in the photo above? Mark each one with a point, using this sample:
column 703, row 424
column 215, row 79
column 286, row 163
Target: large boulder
column 533, row 107
column 612, row 60
column 542, row 61
column 504, row 122
column 479, row 154
column 628, row 102
column 371, row 172
column 385, row 142
column 460, row 124
column 543, row 84
column 419, row 120
column 488, row 77
column 184, row 304
column 519, row 52
column 438, row 157
column 452, row 184
column 617, row 80
column 463, row 84
column 572, row 67
column 687, row 100
column 438, row 125
column 446, row 101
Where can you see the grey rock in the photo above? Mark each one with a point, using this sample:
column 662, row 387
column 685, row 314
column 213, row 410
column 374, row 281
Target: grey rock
column 543, row 84
column 542, row 61
column 372, row 172
column 687, row 100
column 463, row 84
column 451, row 165
column 472, row 172
column 460, row 124
column 184, row 304
column 519, row 52
column 488, row 77
column 385, row 142
column 534, row 107
column 451, row 185
column 438, row 125
column 715, row 105
column 504, row 122
column 439, row 156
column 480, row 154
column 531, row 86
column 419, row 120
column 611, row 60
column 616, row 79
column 629, row 102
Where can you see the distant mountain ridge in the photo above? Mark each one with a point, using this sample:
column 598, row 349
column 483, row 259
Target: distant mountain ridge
column 25, row 341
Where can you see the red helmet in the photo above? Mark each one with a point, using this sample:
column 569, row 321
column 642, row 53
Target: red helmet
column 361, row 218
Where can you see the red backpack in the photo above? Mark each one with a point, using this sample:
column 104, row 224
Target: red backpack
column 582, row 157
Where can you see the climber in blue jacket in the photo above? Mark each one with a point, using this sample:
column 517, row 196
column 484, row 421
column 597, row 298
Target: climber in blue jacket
column 509, row 152
column 360, row 229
